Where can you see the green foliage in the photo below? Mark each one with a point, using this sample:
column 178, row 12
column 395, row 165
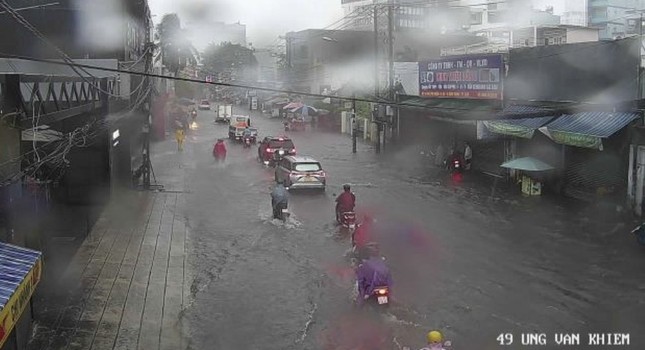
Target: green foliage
column 363, row 110
column 228, row 56
column 177, row 52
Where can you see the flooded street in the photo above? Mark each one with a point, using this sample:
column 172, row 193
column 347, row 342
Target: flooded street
column 473, row 265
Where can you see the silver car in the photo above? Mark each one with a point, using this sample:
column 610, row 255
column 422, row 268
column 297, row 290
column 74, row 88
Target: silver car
column 300, row 172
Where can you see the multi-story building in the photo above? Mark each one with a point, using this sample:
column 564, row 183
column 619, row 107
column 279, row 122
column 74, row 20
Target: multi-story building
column 575, row 13
column 613, row 16
column 268, row 74
column 201, row 34
column 500, row 40
column 82, row 29
column 320, row 60
column 409, row 15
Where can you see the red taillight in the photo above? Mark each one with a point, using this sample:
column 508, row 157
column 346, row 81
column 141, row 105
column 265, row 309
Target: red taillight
column 268, row 150
column 293, row 151
column 382, row 291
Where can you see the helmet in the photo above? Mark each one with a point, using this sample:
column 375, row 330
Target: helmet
column 346, row 187
column 435, row 337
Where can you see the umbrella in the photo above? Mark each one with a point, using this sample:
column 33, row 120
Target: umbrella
column 293, row 105
column 305, row 110
column 527, row 164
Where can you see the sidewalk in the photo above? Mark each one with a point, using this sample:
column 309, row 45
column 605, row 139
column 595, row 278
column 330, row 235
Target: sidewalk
column 127, row 284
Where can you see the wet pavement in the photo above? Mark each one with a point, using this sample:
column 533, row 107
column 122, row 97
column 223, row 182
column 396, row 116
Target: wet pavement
column 465, row 259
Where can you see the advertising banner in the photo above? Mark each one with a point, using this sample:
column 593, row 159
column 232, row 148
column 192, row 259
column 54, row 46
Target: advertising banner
column 469, row 77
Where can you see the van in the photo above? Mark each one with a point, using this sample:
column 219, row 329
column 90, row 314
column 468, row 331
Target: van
column 240, row 121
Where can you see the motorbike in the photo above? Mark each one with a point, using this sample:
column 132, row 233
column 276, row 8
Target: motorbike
column 286, row 126
column 193, row 114
column 454, row 166
column 348, row 220
column 380, row 297
column 278, row 155
column 639, row 232
column 247, row 142
column 281, row 212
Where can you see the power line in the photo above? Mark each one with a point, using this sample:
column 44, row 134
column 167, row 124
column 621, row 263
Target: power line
column 241, row 86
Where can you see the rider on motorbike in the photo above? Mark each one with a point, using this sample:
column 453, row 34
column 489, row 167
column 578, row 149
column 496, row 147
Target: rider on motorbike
column 279, row 199
column 345, row 201
column 219, row 150
column 362, row 237
column 454, row 156
column 370, row 274
column 435, row 341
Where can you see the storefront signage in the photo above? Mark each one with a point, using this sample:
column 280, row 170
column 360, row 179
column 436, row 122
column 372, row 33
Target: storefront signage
column 469, row 77
column 14, row 308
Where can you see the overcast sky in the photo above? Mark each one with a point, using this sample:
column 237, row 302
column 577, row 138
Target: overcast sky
column 264, row 19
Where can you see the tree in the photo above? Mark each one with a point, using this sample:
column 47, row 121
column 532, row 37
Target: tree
column 176, row 51
column 229, row 59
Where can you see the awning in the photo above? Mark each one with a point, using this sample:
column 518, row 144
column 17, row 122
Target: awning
column 524, row 127
column 20, row 270
column 587, row 129
column 524, row 111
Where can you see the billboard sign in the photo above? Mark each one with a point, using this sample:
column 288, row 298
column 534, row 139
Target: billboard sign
column 476, row 77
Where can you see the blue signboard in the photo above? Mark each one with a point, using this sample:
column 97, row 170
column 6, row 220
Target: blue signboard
column 466, row 77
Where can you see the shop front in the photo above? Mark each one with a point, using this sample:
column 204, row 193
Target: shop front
column 20, row 273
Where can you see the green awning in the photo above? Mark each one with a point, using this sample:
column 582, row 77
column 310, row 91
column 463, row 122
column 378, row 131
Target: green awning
column 452, row 108
column 524, row 127
column 587, row 129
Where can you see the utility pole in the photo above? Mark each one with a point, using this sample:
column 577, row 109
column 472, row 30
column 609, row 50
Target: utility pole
column 390, row 53
column 354, row 123
column 376, row 78
column 147, row 111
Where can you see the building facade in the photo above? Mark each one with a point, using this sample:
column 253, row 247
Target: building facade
column 408, row 15
column 613, row 17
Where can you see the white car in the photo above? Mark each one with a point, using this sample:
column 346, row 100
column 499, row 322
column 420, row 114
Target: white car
column 204, row 105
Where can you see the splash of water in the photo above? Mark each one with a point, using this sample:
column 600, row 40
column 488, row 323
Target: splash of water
column 310, row 321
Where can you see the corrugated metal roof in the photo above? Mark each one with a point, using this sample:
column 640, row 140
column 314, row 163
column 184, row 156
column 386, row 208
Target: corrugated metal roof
column 529, row 123
column 599, row 124
column 15, row 264
column 524, row 110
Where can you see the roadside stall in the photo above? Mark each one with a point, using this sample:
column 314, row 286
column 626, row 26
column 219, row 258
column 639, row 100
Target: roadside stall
column 287, row 110
column 529, row 173
column 20, row 272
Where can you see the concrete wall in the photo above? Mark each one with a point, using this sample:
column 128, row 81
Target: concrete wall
column 581, row 35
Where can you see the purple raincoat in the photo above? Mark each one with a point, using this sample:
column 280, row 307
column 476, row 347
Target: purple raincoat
column 370, row 274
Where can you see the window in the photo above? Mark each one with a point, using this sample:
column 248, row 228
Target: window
column 288, row 144
column 307, row 167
